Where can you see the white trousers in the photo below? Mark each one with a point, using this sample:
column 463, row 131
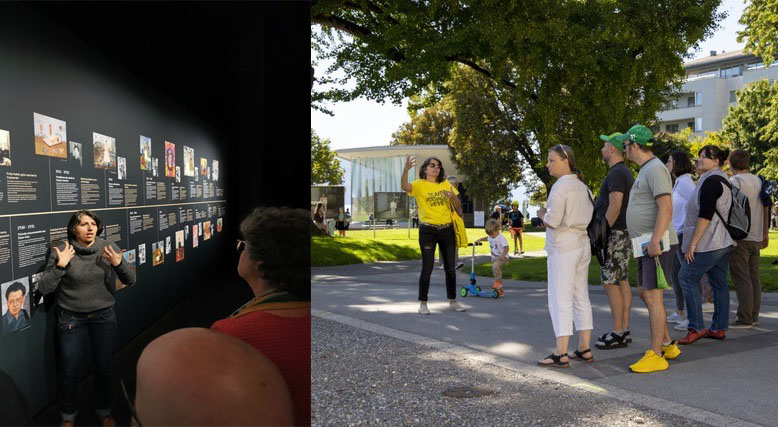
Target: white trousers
column 568, row 291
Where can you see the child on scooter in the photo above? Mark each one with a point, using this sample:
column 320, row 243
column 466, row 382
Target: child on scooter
column 499, row 246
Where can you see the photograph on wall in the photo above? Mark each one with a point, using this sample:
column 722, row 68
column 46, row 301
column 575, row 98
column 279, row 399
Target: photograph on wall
column 141, row 254
column 219, row 225
column 168, row 246
column 50, row 136
column 170, row 159
column 331, row 196
column 145, row 153
column 195, row 240
column 179, row 245
column 104, row 151
column 189, row 161
column 16, row 305
column 392, row 206
column 154, row 166
column 130, row 260
column 186, row 232
column 178, row 173
column 36, row 298
column 197, row 174
column 122, row 167
column 157, row 253
column 5, row 148
column 215, row 170
column 206, row 230
column 203, row 166
column 200, row 228
column 76, row 154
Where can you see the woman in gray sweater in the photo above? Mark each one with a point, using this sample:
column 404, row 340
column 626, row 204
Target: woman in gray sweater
column 83, row 273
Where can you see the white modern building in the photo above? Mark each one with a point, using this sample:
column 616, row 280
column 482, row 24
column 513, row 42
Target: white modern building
column 710, row 88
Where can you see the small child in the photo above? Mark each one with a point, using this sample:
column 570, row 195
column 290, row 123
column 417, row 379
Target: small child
column 499, row 246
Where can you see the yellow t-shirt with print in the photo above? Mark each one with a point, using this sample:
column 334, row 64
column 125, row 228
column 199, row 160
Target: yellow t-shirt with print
column 432, row 201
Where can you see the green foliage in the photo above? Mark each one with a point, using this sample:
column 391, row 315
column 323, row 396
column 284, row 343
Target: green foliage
column 752, row 124
column 760, row 19
column 430, row 127
column 325, row 167
column 523, row 75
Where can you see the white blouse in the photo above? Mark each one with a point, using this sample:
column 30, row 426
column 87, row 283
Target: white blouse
column 682, row 191
column 568, row 213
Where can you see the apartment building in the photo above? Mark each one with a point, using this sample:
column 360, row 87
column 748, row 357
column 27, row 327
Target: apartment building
column 711, row 87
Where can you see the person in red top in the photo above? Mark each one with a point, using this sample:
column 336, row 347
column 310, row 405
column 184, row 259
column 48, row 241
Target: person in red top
column 277, row 321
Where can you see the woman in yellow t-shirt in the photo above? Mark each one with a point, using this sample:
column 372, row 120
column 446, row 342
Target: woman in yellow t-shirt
column 434, row 197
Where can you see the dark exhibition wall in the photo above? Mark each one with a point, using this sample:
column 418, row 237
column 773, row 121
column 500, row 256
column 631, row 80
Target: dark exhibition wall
column 93, row 96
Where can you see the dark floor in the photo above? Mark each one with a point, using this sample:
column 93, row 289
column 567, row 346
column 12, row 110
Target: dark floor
column 200, row 309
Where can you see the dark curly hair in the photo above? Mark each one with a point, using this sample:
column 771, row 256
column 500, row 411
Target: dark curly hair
column 280, row 239
column 76, row 219
column 423, row 170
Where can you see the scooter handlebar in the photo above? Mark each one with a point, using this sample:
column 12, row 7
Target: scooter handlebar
column 475, row 244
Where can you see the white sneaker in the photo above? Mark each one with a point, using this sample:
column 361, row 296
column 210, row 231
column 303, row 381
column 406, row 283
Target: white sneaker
column 682, row 325
column 707, row 307
column 423, row 309
column 459, row 265
column 456, row 306
column 441, row 266
column 674, row 318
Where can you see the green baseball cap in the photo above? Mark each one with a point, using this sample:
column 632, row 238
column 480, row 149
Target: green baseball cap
column 638, row 134
column 612, row 139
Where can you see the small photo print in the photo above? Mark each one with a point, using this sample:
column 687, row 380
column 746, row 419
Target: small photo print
column 154, row 166
column 122, row 168
column 195, row 230
column 219, row 225
column 197, row 174
column 178, row 173
column 141, row 254
column 158, row 253
column 203, row 166
column 189, row 161
column 186, row 232
column 167, row 245
column 200, row 228
column 5, row 148
column 16, row 305
column 129, row 258
column 145, row 153
column 76, row 154
column 179, row 245
column 215, row 170
column 50, row 136
column 36, row 297
column 170, row 159
column 206, row 230
column 104, row 151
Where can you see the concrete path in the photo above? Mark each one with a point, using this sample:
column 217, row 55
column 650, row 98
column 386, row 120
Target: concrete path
column 718, row 383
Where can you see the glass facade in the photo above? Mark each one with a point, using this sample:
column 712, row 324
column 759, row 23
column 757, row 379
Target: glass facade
column 370, row 175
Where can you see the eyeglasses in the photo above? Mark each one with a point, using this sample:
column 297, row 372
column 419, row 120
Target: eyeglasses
column 433, row 165
column 241, row 244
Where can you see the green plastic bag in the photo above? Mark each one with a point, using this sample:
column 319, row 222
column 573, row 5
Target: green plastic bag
column 661, row 282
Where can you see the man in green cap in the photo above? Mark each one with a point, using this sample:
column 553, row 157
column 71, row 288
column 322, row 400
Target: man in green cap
column 650, row 212
column 611, row 204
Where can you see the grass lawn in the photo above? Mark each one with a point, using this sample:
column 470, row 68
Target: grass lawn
column 534, row 269
column 359, row 246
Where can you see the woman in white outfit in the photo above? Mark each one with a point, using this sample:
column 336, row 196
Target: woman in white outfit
column 568, row 212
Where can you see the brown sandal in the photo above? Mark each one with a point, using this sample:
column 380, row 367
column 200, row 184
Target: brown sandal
column 579, row 355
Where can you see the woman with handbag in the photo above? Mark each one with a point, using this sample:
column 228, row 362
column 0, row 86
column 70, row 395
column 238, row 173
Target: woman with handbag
column 568, row 212
column 437, row 202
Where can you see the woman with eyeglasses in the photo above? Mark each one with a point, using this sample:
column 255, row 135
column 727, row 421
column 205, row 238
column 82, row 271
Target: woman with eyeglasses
column 435, row 198
column 566, row 216
column 277, row 321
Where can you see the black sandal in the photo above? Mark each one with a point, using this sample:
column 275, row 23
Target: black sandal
column 556, row 361
column 579, row 355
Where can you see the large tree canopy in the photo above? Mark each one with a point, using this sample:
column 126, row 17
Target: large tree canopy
column 541, row 72
column 752, row 124
column 761, row 29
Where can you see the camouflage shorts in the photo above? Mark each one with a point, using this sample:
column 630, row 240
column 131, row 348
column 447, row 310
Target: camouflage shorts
column 619, row 253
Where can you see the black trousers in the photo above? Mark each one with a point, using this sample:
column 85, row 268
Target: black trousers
column 445, row 239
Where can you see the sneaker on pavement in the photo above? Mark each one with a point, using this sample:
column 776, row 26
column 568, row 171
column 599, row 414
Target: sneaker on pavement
column 683, row 326
column 627, row 336
column 707, row 307
column 456, row 306
column 441, row 266
column 741, row 325
column 755, row 324
column 610, row 340
column 459, row 265
column 716, row 335
column 692, row 336
column 671, row 351
column 423, row 309
column 674, row 318
column 650, row 362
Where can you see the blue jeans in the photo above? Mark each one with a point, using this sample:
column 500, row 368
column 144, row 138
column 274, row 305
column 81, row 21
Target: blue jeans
column 714, row 263
column 73, row 331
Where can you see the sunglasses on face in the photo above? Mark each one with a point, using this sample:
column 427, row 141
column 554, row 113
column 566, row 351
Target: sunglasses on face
column 433, row 165
column 241, row 244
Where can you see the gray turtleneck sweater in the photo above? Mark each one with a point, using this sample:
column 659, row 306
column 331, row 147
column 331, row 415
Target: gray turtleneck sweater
column 88, row 282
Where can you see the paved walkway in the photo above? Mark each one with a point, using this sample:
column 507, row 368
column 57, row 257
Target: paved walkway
column 731, row 382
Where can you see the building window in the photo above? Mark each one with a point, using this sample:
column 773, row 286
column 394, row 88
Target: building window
column 673, row 128
column 697, row 98
column 755, row 66
column 654, row 129
column 690, row 125
column 690, row 101
column 730, row 72
column 698, row 124
column 732, row 96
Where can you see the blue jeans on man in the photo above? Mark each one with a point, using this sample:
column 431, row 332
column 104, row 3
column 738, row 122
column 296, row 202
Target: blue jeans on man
column 74, row 329
column 714, row 263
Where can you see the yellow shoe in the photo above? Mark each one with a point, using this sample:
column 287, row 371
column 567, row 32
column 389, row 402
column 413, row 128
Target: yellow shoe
column 650, row 362
column 671, row 351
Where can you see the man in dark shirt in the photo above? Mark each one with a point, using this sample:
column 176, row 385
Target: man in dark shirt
column 612, row 203
column 517, row 226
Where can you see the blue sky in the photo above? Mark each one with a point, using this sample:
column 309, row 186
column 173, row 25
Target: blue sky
column 364, row 123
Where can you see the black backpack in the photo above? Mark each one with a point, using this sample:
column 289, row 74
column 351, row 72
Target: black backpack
column 598, row 230
column 738, row 221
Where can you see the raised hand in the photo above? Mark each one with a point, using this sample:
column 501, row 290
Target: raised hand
column 115, row 258
column 409, row 162
column 65, row 255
